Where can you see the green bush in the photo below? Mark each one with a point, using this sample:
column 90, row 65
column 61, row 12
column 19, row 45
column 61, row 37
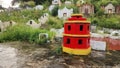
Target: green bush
column 24, row 33
column 55, row 11
column 55, row 22
column 111, row 22
column 21, row 16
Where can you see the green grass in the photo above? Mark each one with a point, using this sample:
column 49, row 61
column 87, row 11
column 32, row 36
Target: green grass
column 21, row 16
column 24, row 33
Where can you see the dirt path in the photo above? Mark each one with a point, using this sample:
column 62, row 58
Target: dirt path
column 26, row 55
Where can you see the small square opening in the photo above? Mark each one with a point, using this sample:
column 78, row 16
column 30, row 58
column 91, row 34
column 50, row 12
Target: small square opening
column 79, row 41
column 68, row 41
column 0, row 30
column 64, row 14
column 69, row 27
column 30, row 22
column 81, row 27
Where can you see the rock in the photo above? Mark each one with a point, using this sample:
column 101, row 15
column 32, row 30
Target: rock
column 52, row 57
column 93, row 29
column 59, row 60
column 8, row 57
column 97, row 35
column 44, row 64
column 39, row 54
column 100, row 31
column 98, row 54
column 115, row 35
column 81, row 60
column 117, row 66
column 109, row 53
column 30, row 64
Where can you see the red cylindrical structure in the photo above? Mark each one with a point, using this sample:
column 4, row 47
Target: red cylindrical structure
column 76, row 37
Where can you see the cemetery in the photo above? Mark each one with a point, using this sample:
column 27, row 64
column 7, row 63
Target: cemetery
column 59, row 34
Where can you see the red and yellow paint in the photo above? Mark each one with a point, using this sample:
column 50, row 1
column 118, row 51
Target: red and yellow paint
column 76, row 37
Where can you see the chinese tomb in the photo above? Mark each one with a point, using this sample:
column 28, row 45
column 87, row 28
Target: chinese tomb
column 76, row 36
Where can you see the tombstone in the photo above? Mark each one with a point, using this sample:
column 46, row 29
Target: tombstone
column 68, row 2
column 86, row 9
column 39, row 7
column 43, row 19
column 16, row 5
column 46, row 14
column 98, row 45
column 51, row 8
column 115, row 35
column 58, row 34
column 109, row 9
column 106, row 30
column 33, row 24
column 43, row 36
column 55, row 2
column 93, row 29
column 4, row 25
column 65, row 13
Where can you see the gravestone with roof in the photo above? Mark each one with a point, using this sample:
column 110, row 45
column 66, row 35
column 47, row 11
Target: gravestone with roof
column 65, row 13
column 86, row 9
column 109, row 8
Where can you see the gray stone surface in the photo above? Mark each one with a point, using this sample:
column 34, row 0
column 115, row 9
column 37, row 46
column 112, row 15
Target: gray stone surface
column 8, row 57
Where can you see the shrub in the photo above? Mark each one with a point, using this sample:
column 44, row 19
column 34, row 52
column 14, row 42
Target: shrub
column 24, row 33
column 21, row 16
column 55, row 11
column 55, row 22
column 57, row 50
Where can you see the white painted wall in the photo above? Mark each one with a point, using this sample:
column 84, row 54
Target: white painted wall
column 65, row 10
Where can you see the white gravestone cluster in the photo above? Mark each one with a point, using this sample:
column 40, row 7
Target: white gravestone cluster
column 42, row 20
